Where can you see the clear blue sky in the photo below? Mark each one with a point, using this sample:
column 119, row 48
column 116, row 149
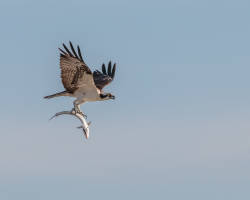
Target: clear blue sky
column 179, row 127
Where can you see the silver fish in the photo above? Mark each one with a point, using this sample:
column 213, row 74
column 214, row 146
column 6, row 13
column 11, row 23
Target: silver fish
column 85, row 124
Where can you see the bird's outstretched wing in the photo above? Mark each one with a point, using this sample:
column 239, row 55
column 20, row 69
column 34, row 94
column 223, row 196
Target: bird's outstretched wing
column 105, row 77
column 74, row 72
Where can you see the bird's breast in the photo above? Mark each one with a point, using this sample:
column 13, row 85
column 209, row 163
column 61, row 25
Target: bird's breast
column 87, row 95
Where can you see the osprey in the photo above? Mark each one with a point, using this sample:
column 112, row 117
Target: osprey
column 80, row 82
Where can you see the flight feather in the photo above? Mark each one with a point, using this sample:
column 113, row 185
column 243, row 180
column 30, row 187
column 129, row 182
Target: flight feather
column 73, row 69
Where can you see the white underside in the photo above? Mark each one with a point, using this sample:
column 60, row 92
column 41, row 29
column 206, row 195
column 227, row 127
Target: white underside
column 87, row 90
column 82, row 95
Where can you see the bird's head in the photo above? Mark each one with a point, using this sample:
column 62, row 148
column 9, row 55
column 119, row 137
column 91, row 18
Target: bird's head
column 106, row 96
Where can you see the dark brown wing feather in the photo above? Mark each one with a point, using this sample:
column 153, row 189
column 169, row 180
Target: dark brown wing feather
column 105, row 77
column 72, row 67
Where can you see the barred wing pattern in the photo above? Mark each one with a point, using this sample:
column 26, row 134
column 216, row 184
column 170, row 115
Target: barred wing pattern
column 73, row 69
column 105, row 77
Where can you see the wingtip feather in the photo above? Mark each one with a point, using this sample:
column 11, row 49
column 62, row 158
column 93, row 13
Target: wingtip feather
column 79, row 53
column 73, row 50
column 66, row 48
column 104, row 69
column 113, row 71
column 109, row 68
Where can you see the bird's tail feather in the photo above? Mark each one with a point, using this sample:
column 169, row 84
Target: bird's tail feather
column 59, row 94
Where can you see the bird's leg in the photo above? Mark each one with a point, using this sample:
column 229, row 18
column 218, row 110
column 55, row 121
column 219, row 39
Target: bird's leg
column 76, row 109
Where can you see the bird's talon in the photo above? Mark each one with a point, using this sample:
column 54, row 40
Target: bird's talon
column 81, row 113
column 73, row 111
column 76, row 110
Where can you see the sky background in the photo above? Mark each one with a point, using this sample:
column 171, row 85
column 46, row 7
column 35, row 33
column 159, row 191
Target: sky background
column 179, row 127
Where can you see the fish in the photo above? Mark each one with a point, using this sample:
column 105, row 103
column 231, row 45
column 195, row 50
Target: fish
column 85, row 125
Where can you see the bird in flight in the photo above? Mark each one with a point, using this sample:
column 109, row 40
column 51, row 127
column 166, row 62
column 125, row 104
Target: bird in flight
column 80, row 82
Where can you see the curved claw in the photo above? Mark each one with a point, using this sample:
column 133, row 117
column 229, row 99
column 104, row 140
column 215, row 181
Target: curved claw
column 78, row 111
column 85, row 116
column 81, row 113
